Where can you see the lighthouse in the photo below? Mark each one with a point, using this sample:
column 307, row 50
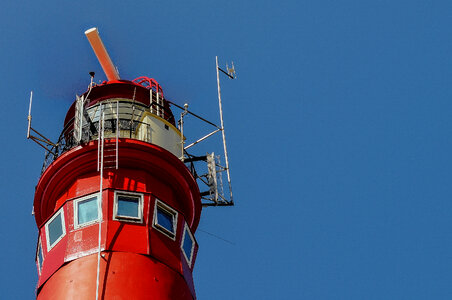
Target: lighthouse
column 119, row 200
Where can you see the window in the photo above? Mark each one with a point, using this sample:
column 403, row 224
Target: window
column 39, row 257
column 128, row 207
column 86, row 211
column 188, row 245
column 165, row 219
column 55, row 229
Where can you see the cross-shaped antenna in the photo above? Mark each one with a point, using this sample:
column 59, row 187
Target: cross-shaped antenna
column 231, row 70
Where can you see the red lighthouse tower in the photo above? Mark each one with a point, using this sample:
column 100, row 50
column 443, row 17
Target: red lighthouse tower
column 116, row 205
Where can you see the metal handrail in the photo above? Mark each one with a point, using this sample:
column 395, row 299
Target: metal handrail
column 66, row 141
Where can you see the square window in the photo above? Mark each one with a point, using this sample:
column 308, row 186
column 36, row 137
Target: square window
column 188, row 245
column 55, row 229
column 86, row 211
column 129, row 207
column 165, row 219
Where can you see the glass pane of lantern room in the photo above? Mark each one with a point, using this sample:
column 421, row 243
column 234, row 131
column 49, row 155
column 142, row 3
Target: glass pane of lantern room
column 87, row 210
column 128, row 207
column 165, row 219
column 55, row 229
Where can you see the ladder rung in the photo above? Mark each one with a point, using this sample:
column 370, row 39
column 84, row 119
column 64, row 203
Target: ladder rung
column 108, row 151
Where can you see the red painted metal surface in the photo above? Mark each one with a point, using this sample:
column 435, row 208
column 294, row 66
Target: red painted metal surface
column 149, row 83
column 146, row 169
column 157, row 169
column 124, row 275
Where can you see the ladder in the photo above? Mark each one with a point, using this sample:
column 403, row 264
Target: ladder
column 107, row 151
column 157, row 106
column 107, row 158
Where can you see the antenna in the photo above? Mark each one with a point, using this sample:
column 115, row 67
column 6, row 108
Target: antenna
column 29, row 115
column 212, row 173
column 40, row 139
column 231, row 71
column 222, row 123
column 181, row 128
column 212, row 176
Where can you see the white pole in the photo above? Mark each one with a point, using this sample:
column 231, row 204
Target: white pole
column 158, row 103
column 99, row 203
column 82, row 105
column 99, row 137
column 117, row 132
column 182, row 136
column 222, row 128
column 182, row 142
column 29, row 115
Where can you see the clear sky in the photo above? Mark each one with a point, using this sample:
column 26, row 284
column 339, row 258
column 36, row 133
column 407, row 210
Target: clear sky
column 339, row 131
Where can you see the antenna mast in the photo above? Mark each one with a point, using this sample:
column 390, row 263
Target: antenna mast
column 230, row 74
column 212, row 177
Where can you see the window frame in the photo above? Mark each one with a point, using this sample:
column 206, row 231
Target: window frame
column 84, row 198
column 38, row 261
column 165, row 207
column 138, row 219
column 187, row 229
column 63, row 224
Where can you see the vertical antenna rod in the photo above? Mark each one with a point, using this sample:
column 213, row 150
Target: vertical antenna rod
column 222, row 130
column 29, row 115
column 102, row 54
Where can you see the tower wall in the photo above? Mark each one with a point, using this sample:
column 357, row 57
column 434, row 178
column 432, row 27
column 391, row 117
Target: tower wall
column 150, row 279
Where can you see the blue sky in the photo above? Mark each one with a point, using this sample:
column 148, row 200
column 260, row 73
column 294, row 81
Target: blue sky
column 338, row 126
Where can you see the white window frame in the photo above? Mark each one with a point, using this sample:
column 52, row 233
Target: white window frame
column 76, row 201
column 63, row 224
column 161, row 205
column 189, row 260
column 38, row 262
column 128, row 218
